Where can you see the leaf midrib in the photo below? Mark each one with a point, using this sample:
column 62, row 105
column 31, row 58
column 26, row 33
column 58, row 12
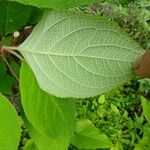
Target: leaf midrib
column 76, row 55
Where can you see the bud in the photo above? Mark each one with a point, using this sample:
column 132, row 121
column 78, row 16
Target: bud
column 16, row 34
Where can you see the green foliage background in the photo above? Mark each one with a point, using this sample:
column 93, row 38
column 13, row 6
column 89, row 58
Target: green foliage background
column 119, row 113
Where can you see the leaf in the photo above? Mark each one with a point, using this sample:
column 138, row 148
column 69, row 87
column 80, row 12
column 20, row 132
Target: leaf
column 12, row 16
column 146, row 108
column 76, row 55
column 6, row 81
column 49, row 115
column 36, row 15
column 10, row 130
column 30, row 146
column 143, row 143
column 48, row 143
column 89, row 137
column 120, row 1
column 56, row 3
column 49, row 130
column 43, row 142
column 16, row 67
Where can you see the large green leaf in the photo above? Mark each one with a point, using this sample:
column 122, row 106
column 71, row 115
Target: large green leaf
column 12, row 16
column 48, row 143
column 10, row 130
column 76, row 55
column 89, row 137
column 44, row 142
column 56, row 3
column 49, row 115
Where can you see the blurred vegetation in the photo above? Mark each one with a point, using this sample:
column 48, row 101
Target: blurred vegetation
column 134, row 17
column 119, row 113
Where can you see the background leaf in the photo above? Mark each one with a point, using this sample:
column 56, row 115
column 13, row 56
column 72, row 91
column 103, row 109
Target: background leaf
column 76, row 55
column 36, row 15
column 56, row 4
column 49, row 115
column 89, row 137
column 6, row 81
column 146, row 108
column 12, row 16
column 10, row 130
column 30, row 146
column 143, row 143
column 120, row 1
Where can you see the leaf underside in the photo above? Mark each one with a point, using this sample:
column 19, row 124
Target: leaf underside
column 76, row 55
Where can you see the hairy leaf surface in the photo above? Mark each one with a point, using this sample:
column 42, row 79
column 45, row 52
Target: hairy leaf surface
column 49, row 115
column 12, row 16
column 10, row 130
column 76, row 55
column 56, row 3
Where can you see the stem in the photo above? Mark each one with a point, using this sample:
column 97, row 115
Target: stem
column 11, row 49
column 11, row 70
column 16, row 54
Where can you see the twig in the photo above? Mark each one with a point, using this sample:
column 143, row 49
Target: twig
column 15, row 54
column 11, row 70
column 11, row 50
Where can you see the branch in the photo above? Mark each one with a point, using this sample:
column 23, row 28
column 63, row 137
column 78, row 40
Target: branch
column 11, row 70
